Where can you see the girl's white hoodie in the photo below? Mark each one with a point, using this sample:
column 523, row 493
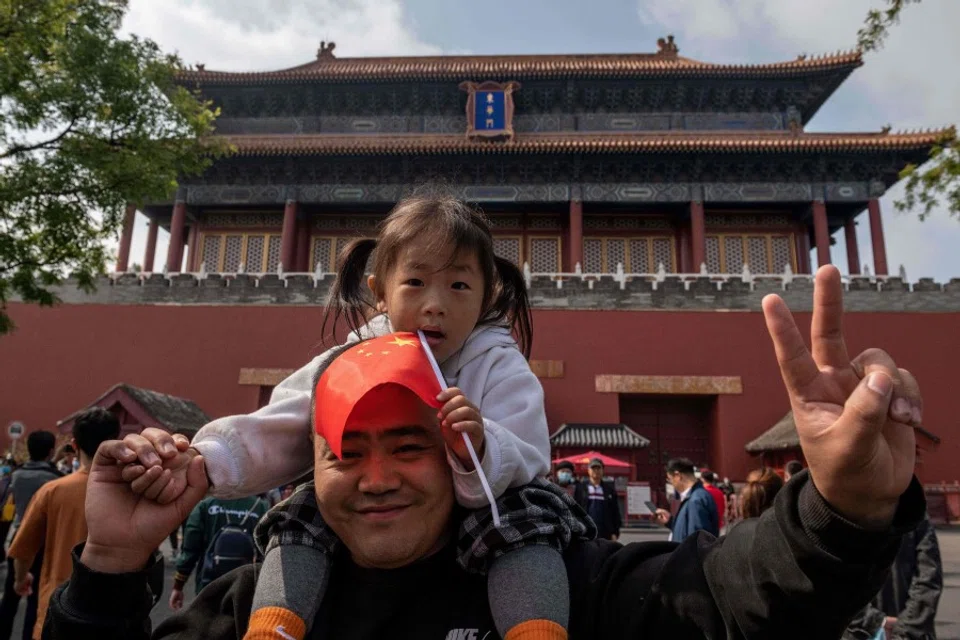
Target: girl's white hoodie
column 266, row 449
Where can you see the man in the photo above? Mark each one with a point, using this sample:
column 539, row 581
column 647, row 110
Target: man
column 54, row 522
column 599, row 499
column 825, row 547
column 791, row 469
column 697, row 512
column 906, row 607
column 26, row 481
column 709, row 479
column 206, row 520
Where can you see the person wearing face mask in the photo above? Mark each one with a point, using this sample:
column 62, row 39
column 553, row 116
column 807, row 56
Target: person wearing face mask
column 565, row 477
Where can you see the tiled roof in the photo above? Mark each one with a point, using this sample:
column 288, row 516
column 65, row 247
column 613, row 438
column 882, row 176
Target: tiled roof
column 518, row 67
column 178, row 415
column 782, row 435
column 597, row 435
column 673, row 142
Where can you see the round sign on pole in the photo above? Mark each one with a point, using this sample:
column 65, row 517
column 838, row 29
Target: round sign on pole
column 15, row 430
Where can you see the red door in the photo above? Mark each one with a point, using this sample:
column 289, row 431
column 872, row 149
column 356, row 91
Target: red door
column 677, row 427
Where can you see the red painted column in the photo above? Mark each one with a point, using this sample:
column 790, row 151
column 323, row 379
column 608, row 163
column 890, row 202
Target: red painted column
column 876, row 234
column 683, row 242
column 126, row 237
column 698, row 235
column 288, row 238
column 853, row 252
column 193, row 247
column 576, row 234
column 148, row 255
column 303, row 244
column 821, row 232
column 177, row 224
column 799, row 245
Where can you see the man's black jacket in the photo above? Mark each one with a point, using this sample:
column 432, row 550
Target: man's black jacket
column 612, row 520
column 800, row 571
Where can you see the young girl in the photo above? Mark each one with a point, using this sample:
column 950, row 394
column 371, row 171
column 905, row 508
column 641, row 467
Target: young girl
column 434, row 270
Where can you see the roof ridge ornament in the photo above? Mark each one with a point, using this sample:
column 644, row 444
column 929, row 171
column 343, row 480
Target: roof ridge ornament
column 667, row 48
column 325, row 52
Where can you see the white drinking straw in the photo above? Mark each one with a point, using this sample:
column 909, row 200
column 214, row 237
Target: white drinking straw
column 466, row 438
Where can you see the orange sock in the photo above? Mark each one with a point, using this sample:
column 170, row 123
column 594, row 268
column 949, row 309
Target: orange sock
column 537, row 630
column 277, row 623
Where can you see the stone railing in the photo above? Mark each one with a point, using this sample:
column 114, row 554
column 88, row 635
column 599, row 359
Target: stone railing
column 576, row 290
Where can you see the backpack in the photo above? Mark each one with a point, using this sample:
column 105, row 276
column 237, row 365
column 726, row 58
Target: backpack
column 232, row 546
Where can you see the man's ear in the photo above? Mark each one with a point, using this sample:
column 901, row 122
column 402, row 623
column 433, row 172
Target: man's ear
column 372, row 284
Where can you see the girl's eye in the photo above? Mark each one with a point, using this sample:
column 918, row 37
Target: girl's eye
column 461, row 286
column 414, row 282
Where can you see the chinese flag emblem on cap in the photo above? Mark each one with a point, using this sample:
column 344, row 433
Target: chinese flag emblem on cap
column 368, row 370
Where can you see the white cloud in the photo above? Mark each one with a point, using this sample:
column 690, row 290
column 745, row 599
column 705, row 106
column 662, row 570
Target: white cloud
column 911, row 83
column 711, row 19
column 247, row 35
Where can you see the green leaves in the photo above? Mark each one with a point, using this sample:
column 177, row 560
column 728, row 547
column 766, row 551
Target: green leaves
column 936, row 183
column 89, row 122
column 876, row 27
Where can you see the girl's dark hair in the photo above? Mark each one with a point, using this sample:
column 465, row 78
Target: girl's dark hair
column 445, row 223
column 758, row 494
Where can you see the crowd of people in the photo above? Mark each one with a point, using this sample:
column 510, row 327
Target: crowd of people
column 427, row 511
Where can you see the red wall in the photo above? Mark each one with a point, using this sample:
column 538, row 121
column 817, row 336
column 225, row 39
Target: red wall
column 61, row 359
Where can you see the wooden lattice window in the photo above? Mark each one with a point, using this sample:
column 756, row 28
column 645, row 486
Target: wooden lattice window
column 325, row 252
column 254, row 259
column 508, row 247
column 637, row 255
column 544, row 255
column 763, row 253
column 225, row 253
column 322, row 254
column 211, row 252
column 274, row 244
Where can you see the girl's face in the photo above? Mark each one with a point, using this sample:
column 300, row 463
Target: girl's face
column 420, row 293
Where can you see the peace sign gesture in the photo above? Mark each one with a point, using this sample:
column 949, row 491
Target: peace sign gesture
column 855, row 418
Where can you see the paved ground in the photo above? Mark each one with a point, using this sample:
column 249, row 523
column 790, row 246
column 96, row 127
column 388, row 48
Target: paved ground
column 948, row 618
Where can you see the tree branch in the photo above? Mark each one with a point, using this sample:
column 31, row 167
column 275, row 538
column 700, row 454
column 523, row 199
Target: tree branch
column 18, row 149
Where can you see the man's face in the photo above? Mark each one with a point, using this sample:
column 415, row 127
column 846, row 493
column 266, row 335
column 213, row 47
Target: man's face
column 428, row 291
column 677, row 480
column 390, row 498
column 596, row 473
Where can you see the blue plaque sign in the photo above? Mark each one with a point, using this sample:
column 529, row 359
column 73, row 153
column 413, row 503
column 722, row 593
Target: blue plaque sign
column 490, row 109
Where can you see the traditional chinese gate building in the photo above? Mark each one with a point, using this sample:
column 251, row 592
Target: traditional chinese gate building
column 647, row 165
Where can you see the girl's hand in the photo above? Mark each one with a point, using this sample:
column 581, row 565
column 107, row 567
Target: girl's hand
column 458, row 415
column 159, row 472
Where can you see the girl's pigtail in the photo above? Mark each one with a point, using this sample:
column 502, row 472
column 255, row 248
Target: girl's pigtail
column 512, row 304
column 349, row 298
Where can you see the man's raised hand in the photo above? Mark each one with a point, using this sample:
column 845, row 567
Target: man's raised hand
column 855, row 418
column 124, row 528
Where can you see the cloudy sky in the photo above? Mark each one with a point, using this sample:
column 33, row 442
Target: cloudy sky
column 912, row 83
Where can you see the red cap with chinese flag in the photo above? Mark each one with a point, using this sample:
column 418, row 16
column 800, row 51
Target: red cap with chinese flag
column 369, row 371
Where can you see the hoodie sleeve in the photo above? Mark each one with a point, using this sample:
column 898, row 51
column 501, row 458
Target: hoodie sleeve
column 517, row 446
column 251, row 454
